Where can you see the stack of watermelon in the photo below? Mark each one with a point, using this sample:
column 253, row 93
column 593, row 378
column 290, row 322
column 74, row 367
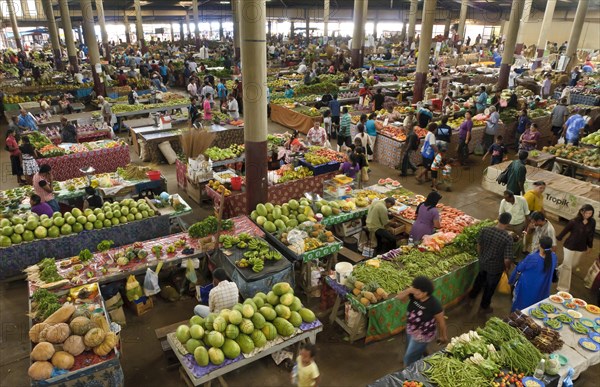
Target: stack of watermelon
column 245, row 327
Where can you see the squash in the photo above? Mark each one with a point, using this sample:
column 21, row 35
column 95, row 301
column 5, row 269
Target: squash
column 80, row 325
column 74, row 345
column 34, row 332
column 58, row 333
column 42, row 351
column 94, row 337
column 110, row 341
column 43, row 333
column 40, row 370
column 61, row 315
column 63, row 360
column 100, row 322
column 81, row 312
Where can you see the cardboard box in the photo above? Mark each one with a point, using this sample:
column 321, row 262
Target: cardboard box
column 141, row 306
column 194, row 191
column 114, row 302
column 349, row 228
column 118, row 316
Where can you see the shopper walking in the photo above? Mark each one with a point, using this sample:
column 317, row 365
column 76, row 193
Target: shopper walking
column 344, row 138
column 532, row 277
column 423, row 314
column 517, row 207
column 492, row 126
column 371, row 129
column 428, row 151
column 581, row 237
column 464, row 137
column 28, row 155
column 411, row 145
column 517, row 173
column 538, row 228
column 495, row 248
column 15, row 156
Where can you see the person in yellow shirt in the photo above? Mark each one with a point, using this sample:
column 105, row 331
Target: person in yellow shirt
column 535, row 197
column 307, row 372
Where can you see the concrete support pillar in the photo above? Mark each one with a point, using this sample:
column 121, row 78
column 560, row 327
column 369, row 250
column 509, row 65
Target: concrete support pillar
column 541, row 43
column 139, row 29
column 292, row 30
column 13, row 23
column 447, row 25
column 25, row 7
column 326, row 20
column 375, row 23
column 524, row 20
column 181, row 34
column 424, row 47
column 221, row 34
column 235, row 5
column 462, row 19
column 576, row 33
column 511, row 39
column 65, row 17
column 187, row 25
column 127, row 28
column 403, row 32
column 87, row 14
column 358, row 37
column 53, row 31
column 412, row 20
column 103, row 32
column 196, row 21
column 80, row 34
column 254, row 50
column 307, row 28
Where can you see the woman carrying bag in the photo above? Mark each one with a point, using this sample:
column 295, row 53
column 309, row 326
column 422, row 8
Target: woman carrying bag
column 532, row 277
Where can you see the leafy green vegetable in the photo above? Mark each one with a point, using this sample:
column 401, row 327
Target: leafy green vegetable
column 85, row 255
column 105, row 245
column 44, row 303
column 48, row 270
column 208, row 226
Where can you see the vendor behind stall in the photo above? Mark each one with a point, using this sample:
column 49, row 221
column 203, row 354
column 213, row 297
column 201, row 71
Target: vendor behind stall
column 224, row 295
column 428, row 217
column 68, row 132
column 377, row 219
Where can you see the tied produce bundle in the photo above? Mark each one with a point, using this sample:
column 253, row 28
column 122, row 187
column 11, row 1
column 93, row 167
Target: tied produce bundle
column 133, row 289
column 196, row 141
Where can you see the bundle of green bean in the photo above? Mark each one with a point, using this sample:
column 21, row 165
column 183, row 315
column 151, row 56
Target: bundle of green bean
column 387, row 275
column 519, row 355
column 451, row 372
column 497, row 332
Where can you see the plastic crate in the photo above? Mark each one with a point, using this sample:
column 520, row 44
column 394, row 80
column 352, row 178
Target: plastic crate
column 322, row 168
column 84, row 92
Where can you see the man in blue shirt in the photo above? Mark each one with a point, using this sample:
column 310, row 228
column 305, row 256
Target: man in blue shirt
column 573, row 128
column 27, row 121
column 334, row 106
column 481, row 102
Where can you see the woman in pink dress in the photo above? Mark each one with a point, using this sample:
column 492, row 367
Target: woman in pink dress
column 206, row 108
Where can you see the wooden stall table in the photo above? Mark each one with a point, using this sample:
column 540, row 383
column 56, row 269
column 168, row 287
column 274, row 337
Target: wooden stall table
column 563, row 196
column 103, row 160
column 292, row 119
column 195, row 375
column 541, row 160
column 574, row 169
column 137, row 134
column 77, row 118
column 226, row 135
column 151, row 141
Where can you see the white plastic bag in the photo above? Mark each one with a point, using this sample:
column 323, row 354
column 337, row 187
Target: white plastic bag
column 151, row 286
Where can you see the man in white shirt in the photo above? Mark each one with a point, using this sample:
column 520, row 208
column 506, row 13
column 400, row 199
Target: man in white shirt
column 232, row 107
column 512, row 76
column 518, row 208
column 192, row 88
column 224, row 295
column 540, row 227
column 193, row 66
column 203, row 52
column 208, row 89
column 302, row 68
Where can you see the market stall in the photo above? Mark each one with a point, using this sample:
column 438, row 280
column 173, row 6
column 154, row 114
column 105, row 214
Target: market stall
column 293, row 119
column 563, row 196
column 102, row 160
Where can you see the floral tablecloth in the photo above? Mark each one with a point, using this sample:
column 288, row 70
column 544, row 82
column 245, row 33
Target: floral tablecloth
column 278, row 194
column 103, row 160
column 181, row 172
column 388, row 318
column 17, row 257
column 105, row 374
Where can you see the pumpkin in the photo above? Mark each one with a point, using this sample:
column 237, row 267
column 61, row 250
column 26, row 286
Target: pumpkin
column 100, row 322
column 80, row 312
column 43, row 333
column 80, row 325
column 74, row 345
column 34, row 332
column 110, row 341
column 63, row 314
column 42, row 351
column 40, row 370
column 63, row 360
column 94, row 337
column 58, row 333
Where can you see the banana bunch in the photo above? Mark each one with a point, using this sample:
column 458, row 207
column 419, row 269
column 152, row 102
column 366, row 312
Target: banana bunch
column 242, row 263
column 257, row 264
column 229, row 241
column 258, row 245
column 273, row 255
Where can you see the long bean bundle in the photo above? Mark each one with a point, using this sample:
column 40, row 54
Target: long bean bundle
column 386, row 276
column 451, row 372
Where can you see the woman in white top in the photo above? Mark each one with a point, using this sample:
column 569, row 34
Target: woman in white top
column 363, row 137
column 316, row 135
column 327, row 122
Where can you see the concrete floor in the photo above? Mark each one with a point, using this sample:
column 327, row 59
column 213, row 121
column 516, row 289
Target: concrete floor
column 340, row 363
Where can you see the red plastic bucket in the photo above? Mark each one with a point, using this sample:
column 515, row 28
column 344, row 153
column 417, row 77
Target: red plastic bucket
column 236, row 183
column 153, row 175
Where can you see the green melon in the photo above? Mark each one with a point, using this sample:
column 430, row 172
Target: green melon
column 231, row 349
column 283, row 311
column 225, row 314
column 307, row 315
column 282, row 288
column 216, row 339
column 269, row 331
column 219, row 324
column 245, row 342
column 201, row 356
column 287, row 299
column 295, row 319
column 261, row 210
column 272, row 298
column 258, row 338
column 196, row 331
column 232, row 331
column 261, row 295
column 276, row 213
column 183, row 333
column 258, row 320
column 284, row 327
column 268, row 313
column 296, row 305
column 270, row 226
column 192, row 344
column 247, row 311
column 259, row 302
column 250, row 302
column 208, row 321
column 261, row 220
column 237, row 307
column 246, row 326
column 235, row 317
column 216, row 356
column 196, row 320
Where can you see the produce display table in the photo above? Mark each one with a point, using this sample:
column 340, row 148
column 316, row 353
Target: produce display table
column 199, row 375
column 579, row 358
column 148, row 111
column 115, row 272
column 235, row 204
column 17, row 257
column 388, row 318
column 227, row 135
column 344, row 217
column 150, row 142
column 575, row 168
column 292, row 119
column 563, row 196
column 541, row 159
column 83, row 117
column 581, row 99
column 103, row 160
column 136, row 134
column 248, row 282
